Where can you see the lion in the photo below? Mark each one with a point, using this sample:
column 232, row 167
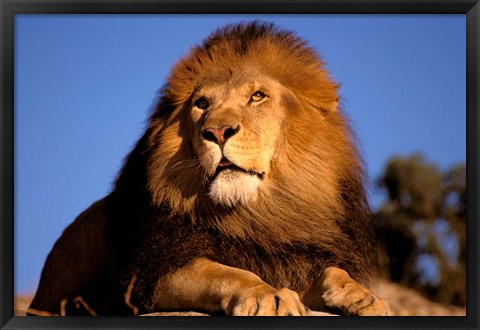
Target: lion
column 244, row 196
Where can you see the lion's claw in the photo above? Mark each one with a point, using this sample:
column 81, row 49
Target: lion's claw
column 264, row 300
column 340, row 291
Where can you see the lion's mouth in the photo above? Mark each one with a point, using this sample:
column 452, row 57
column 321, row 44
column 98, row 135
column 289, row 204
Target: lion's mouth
column 227, row 167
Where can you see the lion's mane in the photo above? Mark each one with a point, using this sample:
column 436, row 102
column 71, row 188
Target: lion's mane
column 313, row 212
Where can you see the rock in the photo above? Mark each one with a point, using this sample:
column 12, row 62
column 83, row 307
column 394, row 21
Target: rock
column 403, row 301
column 175, row 314
column 311, row 313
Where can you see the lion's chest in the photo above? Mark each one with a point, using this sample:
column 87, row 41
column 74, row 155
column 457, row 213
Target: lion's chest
column 291, row 267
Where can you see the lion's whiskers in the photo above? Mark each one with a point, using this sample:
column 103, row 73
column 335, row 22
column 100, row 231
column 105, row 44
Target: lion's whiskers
column 191, row 164
column 185, row 164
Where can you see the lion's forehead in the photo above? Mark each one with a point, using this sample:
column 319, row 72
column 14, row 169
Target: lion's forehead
column 236, row 80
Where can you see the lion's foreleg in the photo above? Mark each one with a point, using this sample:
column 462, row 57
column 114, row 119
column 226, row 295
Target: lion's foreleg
column 210, row 286
column 337, row 290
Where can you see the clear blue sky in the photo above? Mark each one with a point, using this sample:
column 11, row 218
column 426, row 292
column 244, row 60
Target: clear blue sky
column 84, row 86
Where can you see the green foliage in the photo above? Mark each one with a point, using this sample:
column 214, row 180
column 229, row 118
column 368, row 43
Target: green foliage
column 422, row 225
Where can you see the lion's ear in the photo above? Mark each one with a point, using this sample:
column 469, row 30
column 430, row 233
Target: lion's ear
column 333, row 99
column 325, row 99
column 328, row 106
column 332, row 105
column 325, row 106
column 330, row 96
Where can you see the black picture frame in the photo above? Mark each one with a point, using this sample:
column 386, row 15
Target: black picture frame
column 10, row 8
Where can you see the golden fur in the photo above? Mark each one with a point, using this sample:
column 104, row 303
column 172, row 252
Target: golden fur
column 246, row 185
column 313, row 154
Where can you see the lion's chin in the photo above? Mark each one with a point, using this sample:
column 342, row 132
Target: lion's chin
column 234, row 187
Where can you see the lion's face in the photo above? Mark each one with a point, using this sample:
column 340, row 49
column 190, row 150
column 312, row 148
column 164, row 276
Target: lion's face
column 237, row 124
column 249, row 118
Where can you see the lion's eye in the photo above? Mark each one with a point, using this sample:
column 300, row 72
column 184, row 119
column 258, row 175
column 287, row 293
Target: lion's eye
column 201, row 103
column 257, row 96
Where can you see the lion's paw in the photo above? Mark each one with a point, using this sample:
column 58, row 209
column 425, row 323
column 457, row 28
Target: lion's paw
column 340, row 291
column 264, row 300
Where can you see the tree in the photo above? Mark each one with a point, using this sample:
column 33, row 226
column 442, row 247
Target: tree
column 422, row 224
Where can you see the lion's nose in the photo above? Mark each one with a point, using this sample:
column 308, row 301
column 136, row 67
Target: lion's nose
column 220, row 135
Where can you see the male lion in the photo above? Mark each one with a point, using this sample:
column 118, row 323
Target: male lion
column 243, row 197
